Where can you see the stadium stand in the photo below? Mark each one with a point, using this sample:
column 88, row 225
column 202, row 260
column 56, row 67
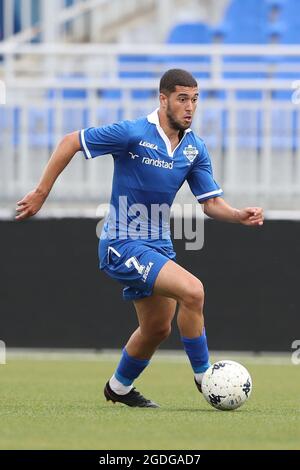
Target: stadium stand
column 250, row 124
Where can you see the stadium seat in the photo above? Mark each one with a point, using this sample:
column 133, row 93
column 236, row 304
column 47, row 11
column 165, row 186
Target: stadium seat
column 290, row 12
column 131, row 67
column 276, row 3
column 289, row 35
column 213, row 123
column 284, row 130
column 247, row 10
column 190, row 33
column 7, row 123
column 70, row 93
column 150, row 66
column 245, row 22
column 41, row 128
column 1, row 21
column 135, row 65
column 41, row 122
column 248, row 133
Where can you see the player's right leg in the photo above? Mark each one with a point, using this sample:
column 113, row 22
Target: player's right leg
column 176, row 282
column 149, row 273
column 155, row 315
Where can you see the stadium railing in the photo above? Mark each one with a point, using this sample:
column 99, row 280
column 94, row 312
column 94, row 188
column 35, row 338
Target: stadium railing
column 254, row 141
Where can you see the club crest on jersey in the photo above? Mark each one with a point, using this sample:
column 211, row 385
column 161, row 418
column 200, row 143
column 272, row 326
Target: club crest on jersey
column 190, row 152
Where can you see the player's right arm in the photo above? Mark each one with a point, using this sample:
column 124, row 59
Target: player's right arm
column 60, row 158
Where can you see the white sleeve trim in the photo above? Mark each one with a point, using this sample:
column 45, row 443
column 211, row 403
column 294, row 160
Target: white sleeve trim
column 211, row 193
column 87, row 152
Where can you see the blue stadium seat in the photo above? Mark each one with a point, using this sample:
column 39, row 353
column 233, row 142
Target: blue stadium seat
column 276, row 3
column 189, row 33
column 245, row 22
column 290, row 12
column 136, row 71
column 17, row 16
column 41, row 130
column 248, row 132
column 214, row 122
column 41, row 124
column 139, row 67
column 284, row 130
column 241, row 11
column 8, row 121
column 70, row 93
column 1, row 20
column 289, row 35
column 256, row 35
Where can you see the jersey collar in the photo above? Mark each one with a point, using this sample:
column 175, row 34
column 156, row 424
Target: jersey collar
column 154, row 119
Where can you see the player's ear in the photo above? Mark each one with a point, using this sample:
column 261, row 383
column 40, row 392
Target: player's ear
column 163, row 99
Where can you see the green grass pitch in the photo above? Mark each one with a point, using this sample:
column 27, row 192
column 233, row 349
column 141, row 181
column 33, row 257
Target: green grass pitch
column 47, row 404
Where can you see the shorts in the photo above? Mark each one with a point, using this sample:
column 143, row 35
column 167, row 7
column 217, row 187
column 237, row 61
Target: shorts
column 135, row 263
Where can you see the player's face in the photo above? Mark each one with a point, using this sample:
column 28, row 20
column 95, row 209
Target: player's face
column 181, row 106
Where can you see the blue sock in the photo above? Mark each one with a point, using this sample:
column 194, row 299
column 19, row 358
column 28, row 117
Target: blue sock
column 197, row 351
column 129, row 368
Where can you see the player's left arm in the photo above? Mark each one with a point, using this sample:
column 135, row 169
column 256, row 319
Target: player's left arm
column 218, row 209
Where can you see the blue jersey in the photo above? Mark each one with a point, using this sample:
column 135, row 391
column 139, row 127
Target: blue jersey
column 148, row 174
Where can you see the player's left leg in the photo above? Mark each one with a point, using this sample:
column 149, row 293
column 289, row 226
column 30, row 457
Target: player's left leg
column 176, row 282
column 155, row 315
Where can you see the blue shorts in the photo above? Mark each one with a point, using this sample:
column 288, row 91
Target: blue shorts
column 135, row 263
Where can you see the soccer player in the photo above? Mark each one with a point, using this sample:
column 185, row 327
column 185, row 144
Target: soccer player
column 153, row 156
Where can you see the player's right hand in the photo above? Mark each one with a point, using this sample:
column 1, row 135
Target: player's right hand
column 30, row 204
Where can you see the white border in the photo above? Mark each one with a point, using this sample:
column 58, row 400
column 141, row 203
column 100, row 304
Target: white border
column 211, row 193
column 88, row 154
column 154, row 119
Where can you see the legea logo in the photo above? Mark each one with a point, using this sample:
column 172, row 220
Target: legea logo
column 148, row 145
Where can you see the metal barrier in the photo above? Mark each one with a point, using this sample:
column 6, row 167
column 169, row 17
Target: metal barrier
column 251, row 126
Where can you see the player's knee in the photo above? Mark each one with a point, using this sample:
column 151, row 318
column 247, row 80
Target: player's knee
column 162, row 332
column 194, row 295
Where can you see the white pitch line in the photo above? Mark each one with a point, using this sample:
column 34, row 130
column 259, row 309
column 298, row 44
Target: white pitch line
column 105, row 355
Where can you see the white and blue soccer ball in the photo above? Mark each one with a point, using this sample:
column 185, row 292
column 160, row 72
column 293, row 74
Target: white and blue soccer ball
column 226, row 385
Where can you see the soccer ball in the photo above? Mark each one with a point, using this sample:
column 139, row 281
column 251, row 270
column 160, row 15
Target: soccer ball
column 226, row 385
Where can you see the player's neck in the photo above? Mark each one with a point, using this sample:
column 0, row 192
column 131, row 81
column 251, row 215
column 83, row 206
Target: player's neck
column 173, row 135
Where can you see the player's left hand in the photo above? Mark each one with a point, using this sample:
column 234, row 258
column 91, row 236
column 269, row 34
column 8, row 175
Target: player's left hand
column 30, row 204
column 251, row 216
